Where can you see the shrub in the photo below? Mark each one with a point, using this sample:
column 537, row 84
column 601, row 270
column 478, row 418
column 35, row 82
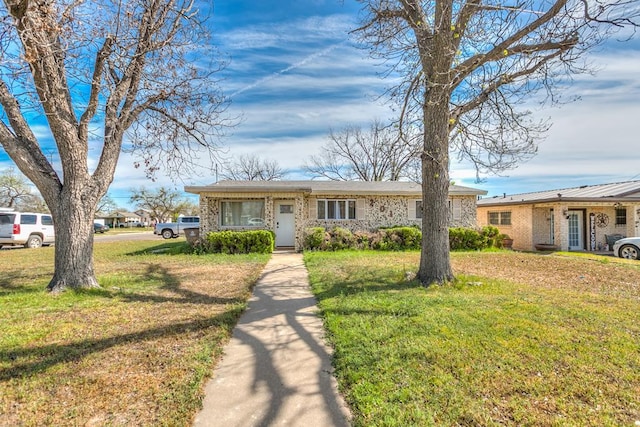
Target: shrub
column 493, row 236
column 409, row 238
column 238, row 242
column 315, row 239
column 363, row 239
column 397, row 239
column 461, row 238
column 341, row 238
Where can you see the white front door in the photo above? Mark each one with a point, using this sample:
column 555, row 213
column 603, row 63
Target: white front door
column 576, row 220
column 285, row 223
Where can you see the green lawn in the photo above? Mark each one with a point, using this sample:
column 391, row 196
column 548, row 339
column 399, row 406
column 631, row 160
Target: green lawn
column 520, row 339
column 135, row 352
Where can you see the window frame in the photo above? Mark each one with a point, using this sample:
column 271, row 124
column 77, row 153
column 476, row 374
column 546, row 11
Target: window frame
column 621, row 217
column 330, row 209
column 222, row 215
column 500, row 217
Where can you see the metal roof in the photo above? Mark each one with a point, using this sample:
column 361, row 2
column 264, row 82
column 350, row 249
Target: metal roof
column 619, row 191
column 326, row 187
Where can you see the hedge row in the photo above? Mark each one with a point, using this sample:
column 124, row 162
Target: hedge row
column 390, row 239
column 237, row 242
column 321, row 239
column 397, row 239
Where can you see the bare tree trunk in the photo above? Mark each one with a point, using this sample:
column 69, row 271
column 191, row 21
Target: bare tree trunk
column 435, row 266
column 73, row 219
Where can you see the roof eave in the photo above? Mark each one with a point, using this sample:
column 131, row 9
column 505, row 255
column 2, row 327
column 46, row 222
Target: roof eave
column 607, row 199
column 244, row 189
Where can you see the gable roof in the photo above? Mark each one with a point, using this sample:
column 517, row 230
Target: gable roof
column 319, row 188
column 614, row 192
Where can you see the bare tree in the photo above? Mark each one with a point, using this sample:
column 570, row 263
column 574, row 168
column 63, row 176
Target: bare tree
column 466, row 67
column 13, row 189
column 16, row 192
column 162, row 203
column 106, row 205
column 250, row 167
column 380, row 154
column 102, row 73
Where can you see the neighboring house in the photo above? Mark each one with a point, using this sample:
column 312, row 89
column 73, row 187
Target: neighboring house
column 587, row 218
column 145, row 217
column 121, row 219
column 289, row 207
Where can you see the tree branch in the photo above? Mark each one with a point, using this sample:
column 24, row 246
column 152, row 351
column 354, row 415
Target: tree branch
column 21, row 144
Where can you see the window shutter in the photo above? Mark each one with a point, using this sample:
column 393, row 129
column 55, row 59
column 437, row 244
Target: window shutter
column 457, row 209
column 412, row 209
column 360, row 203
column 313, row 209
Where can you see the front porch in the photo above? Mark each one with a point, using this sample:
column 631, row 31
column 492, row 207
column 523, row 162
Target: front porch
column 592, row 227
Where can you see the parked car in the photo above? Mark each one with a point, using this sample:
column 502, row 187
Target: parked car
column 628, row 248
column 100, row 228
column 26, row 228
column 256, row 222
column 169, row 230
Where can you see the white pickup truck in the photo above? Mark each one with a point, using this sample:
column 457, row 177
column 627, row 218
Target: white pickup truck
column 170, row 230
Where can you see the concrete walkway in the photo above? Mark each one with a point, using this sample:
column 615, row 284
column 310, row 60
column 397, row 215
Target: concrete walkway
column 276, row 370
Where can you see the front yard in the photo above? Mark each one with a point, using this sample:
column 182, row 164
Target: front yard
column 521, row 339
column 135, row 352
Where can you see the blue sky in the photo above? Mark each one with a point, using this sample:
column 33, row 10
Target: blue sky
column 294, row 73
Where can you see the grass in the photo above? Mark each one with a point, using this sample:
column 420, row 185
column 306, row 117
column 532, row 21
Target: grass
column 519, row 339
column 135, row 352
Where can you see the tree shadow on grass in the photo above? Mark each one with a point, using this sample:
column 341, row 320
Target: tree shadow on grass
column 166, row 248
column 50, row 355
column 369, row 283
column 40, row 358
column 169, row 282
column 158, row 273
column 9, row 280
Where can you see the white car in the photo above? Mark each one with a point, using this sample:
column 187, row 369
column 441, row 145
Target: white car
column 628, row 248
column 256, row 222
column 26, row 228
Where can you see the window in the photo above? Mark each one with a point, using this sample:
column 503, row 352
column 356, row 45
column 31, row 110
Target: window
column 7, row 219
column 46, row 220
column 336, row 209
column 28, row 219
column 242, row 213
column 500, row 218
column 418, row 209
column 621, row 216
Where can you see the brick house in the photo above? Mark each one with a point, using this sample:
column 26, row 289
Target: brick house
column 289, row 207
column 586, row 218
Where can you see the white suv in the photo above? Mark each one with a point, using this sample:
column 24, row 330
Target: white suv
column 26, row 228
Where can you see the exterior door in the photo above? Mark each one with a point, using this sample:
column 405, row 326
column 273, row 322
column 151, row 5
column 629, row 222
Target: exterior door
column 576, row 221
column 285, row 223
